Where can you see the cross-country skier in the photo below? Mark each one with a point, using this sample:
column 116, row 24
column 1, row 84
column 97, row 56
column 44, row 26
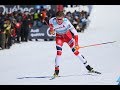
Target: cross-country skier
column 65, row 32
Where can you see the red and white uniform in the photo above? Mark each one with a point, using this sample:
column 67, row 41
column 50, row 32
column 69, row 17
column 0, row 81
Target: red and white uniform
column 64, row 33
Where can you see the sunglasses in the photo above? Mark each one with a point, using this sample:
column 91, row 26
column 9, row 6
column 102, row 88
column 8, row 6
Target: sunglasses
column 59, row 19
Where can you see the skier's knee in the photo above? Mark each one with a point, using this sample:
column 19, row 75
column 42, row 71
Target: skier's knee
column 59, row 52
column 59, row 48
column 76, row 53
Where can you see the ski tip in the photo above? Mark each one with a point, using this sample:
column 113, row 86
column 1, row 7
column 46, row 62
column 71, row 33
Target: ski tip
column 95, row 72
column 99, row 73
column 53, row 77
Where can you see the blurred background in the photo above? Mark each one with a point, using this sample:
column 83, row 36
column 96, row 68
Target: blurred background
column 23, row 23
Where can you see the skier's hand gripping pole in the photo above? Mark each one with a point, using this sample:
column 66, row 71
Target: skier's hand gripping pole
column 77, row 47
column 52, row 32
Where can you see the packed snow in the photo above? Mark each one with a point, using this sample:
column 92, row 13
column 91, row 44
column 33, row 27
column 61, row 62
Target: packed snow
column 32, row 62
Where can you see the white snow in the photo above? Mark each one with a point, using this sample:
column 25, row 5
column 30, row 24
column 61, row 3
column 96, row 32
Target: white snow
column 35, row 59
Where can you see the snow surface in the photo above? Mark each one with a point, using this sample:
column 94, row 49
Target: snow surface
column 35, row 59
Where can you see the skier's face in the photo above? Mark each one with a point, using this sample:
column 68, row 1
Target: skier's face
column 59, row 20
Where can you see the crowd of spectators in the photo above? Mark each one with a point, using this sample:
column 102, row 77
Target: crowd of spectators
column 80, row 19
column 15, row 26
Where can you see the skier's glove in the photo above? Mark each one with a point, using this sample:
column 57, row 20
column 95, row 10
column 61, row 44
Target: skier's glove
column 76, row 47
column 52, row 31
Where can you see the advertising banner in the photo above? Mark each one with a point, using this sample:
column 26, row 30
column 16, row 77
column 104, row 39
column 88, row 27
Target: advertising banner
column 40, row 33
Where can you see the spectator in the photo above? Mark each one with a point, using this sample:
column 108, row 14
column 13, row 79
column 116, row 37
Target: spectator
column 7, row 31
column 2, row 35
column 36, row 18
column 43, row 15
column 25, row 29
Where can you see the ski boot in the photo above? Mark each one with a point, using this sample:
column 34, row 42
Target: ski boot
column 90, row 69
column 56, row 72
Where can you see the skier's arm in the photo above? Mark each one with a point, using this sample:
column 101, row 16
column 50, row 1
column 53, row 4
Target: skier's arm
column 51, row 27
column 74, row 31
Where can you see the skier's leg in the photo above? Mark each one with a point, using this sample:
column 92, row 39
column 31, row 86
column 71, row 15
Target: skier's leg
column 59, row 44
column 81, row 57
